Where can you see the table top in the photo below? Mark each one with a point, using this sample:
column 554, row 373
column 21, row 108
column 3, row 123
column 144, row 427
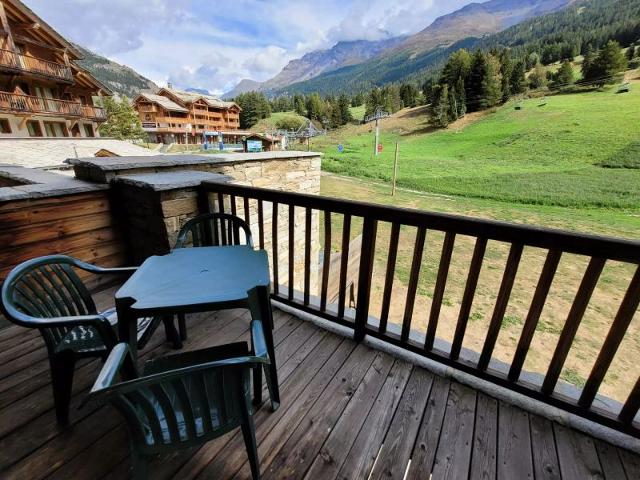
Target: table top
column 192, row 277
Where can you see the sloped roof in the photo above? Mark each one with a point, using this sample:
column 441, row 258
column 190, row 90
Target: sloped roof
column 164, row 102
column 190, row 97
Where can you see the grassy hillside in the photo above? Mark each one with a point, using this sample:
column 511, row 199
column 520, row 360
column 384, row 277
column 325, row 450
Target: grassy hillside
column 551, row 154
column 280, row 120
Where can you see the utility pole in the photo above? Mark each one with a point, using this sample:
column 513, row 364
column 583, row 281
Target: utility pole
column 395, row 172
column 378, row 114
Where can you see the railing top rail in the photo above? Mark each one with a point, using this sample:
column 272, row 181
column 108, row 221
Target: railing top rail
column 60, row 70
column 570, row 242
column 42, row 99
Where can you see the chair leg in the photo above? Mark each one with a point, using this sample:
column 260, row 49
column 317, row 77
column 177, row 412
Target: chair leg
column 260, row 306
column 171, row 332
column 249, row 434
column 62, row 367
column 257, row 385
column 182, row 326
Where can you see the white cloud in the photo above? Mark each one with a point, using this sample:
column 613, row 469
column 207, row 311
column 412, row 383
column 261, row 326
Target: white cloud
column 212, row 45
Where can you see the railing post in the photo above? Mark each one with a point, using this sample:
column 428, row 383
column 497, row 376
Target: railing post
column 365, row 274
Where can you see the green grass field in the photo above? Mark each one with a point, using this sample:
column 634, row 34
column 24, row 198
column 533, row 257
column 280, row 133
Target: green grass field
column 275, row 119
column 555, row 154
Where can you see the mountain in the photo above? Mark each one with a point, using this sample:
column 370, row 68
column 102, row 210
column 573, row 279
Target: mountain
column 315, row 63
column 358, row 65
column 477, row 20
column 119, row 78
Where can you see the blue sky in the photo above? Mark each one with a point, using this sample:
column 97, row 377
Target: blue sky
column 214, row 44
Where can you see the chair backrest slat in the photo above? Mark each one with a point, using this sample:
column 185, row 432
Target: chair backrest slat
column 188, row 415
column 137, row 399
column 59, row 294
column 214, row 229
column 168, row 410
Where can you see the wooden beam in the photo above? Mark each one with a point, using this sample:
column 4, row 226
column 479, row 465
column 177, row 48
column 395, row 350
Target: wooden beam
column 4, row 23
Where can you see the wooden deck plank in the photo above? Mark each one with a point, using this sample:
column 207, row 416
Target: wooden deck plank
column 424, row 452
column 336, row 448
column 484, row 452
column 543, row 449
column 364, row 450
column 283, row 327
column 281, row 424
column 297, row 454
column 398, row 444
column 101, row 421
column 166, row 466
column 610, row 461
column 324, row 429
column 514, row 443
column 454, row 448
column 577, row 455
column 630, row 462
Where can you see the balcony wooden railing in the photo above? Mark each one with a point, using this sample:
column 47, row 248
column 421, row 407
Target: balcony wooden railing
column 94, row 113
column 29, row 104
column 552, row 244
column 25, row 63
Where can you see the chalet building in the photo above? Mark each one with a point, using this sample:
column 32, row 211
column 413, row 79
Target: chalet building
column 175, row 116
column 43, row 93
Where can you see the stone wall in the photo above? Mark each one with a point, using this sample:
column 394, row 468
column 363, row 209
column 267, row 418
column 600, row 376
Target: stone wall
column 158, row 201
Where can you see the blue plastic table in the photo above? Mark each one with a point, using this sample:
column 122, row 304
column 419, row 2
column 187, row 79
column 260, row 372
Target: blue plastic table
column 190, row 280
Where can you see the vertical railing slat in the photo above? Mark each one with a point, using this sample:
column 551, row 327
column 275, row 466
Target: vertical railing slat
column 292, row 226
column 535, row 310
column 388, row 280
column 344, row 264
column 579, row 306
column 414, row 276
column 467, row 298
column 438, row 291
column 274, row 247
column 631, row 406
column 307, row 255
column 504, row 293
column 261, row 224
column 611, row 344
column 326, row 261
column 365, row 274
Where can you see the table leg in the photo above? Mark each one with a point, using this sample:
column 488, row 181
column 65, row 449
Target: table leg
column 127, row 325
column 260, row 305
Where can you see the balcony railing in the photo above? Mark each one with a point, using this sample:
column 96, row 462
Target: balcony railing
column 94, row 113
column 14, row 102
column 38, row 66
column 273, row 207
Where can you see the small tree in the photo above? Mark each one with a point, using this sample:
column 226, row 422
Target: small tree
column 607, row 64
column 491, row 83
column 631, row 52
column 440, row 105
column 255, row 107
column 538, row 77
column 299, row 105
column 564, row 75
column 123, row 122
column 517, row 81
column 343, row 109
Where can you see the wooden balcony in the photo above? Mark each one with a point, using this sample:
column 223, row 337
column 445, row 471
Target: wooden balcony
column 94, row 113
column 549, row 246
column 16, row 103
column 348, row 411
column 17, row 62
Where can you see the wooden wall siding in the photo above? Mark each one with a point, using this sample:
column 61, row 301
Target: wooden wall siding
column 80, row 225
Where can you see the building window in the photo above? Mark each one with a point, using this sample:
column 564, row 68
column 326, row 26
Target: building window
column 88, row 130
column 5, row 127
column 33, row 126
column 55, row 129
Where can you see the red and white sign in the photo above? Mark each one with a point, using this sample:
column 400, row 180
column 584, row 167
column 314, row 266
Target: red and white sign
column 379, row 147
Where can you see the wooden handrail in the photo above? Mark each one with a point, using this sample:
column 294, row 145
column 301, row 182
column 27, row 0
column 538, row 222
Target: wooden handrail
column 26, row 63
column 27, row 103
column 597, row 249
column 93, row 112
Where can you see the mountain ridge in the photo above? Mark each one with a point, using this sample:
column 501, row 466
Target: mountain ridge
column 472, row 21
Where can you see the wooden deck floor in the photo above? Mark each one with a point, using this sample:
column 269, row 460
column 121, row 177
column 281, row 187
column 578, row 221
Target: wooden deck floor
column 347, row 412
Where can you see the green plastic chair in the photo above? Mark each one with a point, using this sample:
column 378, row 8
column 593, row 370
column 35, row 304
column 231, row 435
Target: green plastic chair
column 46, row 293
column 183, row 400
column 211, row 230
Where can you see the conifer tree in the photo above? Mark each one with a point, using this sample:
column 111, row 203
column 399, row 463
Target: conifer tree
column 123, row 122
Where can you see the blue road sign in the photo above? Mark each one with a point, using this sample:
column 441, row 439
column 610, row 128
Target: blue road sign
column 340, row 148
